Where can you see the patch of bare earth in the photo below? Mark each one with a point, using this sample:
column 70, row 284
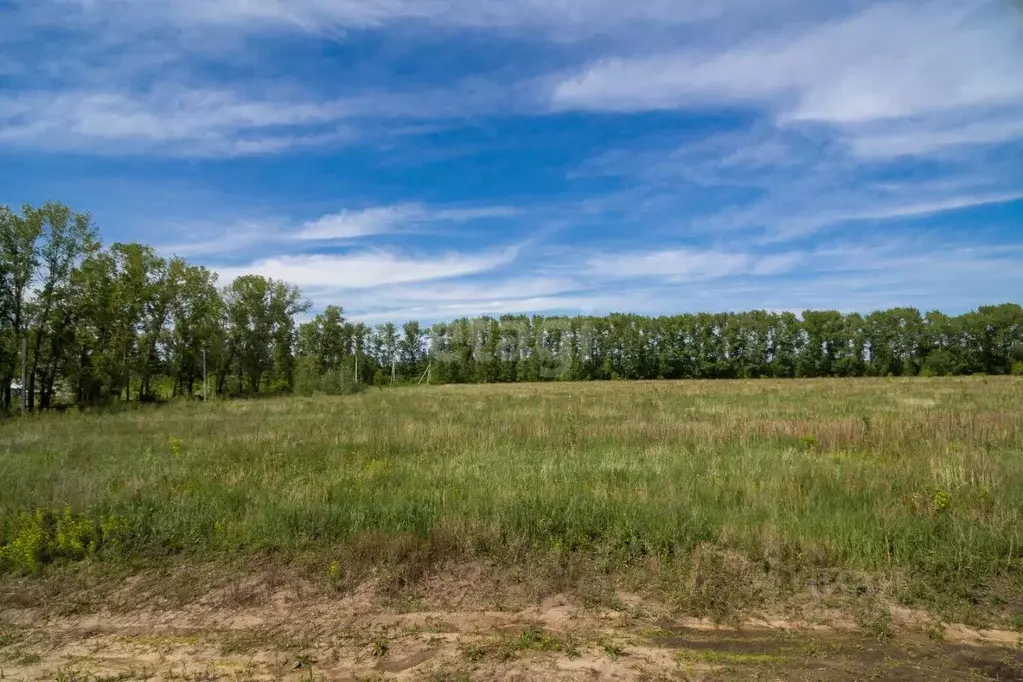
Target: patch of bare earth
column 466, row 623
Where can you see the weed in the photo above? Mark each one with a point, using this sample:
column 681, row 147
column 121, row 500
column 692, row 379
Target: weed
column 879, row 625
column 474, row 652
column 724, row 658
column 69, row 674
column 570, row 647
column 8, row 634
column 243, row 641
column 451, row 676
column 21, row 657
column 868, row 423
column 940, row 501
column 614, row 650
column 535, row 639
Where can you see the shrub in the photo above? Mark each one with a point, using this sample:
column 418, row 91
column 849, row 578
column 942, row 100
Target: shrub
column 310, row 379
column 24, row 550
column 338, row 382
column 31, row 539
column 940, row 363
column 307, row 373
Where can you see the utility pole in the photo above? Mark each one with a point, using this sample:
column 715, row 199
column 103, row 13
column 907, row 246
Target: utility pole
column 24, row 374
column 204, row 375
column 428, row 375
column 392, row 370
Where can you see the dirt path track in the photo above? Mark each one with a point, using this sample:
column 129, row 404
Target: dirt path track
column 260, row 629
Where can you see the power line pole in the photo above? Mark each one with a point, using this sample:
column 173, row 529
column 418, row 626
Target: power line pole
column 428, row 375
column 24, row 374
column 204, row 375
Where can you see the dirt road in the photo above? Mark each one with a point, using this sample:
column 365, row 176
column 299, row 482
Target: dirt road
column 271, row 627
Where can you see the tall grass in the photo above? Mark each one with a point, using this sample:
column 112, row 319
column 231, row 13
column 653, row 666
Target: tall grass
column 921, row 476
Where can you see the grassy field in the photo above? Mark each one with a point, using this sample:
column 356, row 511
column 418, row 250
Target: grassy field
column 730, row 494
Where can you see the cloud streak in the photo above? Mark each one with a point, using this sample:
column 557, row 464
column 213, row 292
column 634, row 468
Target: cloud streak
column 889, row 61
column 689, row 265
column 368, row 269
column 314, row 15
column 393, row 219
column 175, row 121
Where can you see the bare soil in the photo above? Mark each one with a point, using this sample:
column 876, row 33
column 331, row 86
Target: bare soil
column 463, row 623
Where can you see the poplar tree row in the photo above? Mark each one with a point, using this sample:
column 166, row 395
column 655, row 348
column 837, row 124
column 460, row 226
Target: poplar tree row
column 754, row 344
column 88, row 324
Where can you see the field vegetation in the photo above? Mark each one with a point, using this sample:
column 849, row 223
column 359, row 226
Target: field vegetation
column 728, row 495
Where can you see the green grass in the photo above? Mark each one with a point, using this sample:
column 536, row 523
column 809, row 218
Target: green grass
column 919, row 481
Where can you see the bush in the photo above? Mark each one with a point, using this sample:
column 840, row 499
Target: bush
column 1017, row 368
column 338, row 382
column 310, row 379
column 939, row 363
column 307, row 374
column 29, row 540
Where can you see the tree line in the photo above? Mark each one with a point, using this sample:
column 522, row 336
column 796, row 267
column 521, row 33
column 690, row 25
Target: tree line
column 89, row 324
column 754, row 344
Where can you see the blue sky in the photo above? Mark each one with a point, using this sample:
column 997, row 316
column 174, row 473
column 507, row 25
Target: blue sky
column 429, row 159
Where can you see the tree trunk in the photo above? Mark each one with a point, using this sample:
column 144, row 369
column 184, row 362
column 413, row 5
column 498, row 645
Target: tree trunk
column 46, row 394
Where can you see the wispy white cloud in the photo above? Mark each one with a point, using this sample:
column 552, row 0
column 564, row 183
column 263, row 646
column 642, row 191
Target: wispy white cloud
column 357, row 14
column 209, row 239
column 178, row 121
column 921, row 138
column 795, row 183
column 390, row 219
column 915, row 209
column 247, row 121
column 514, row 286
column 239, row 237
column 895, row 78
column 326, row 273
column 472, row 296
column 888, row 61
column 674, row 265
column 834, row 101
column 686, row 265
column 351, row 224
column 792, row 223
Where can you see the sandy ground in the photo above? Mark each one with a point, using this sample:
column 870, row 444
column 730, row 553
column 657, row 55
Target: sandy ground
column 266, row 627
